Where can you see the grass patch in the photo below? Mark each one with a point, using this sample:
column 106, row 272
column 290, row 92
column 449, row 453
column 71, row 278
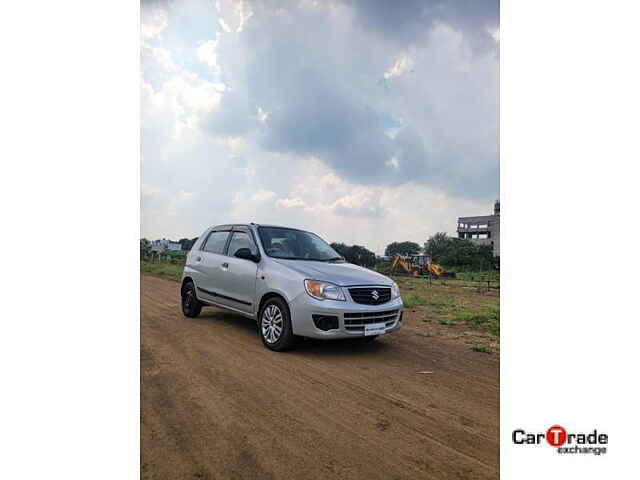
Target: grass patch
column 488, row 319
column 411, row 301
column 438, row 304
column 477, row 276
column 452, row 302
column 166, row 270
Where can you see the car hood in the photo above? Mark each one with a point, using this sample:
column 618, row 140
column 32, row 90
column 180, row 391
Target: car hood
column 343, row 274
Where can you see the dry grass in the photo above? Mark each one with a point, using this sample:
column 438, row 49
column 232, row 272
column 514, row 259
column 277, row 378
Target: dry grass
column 454, row 311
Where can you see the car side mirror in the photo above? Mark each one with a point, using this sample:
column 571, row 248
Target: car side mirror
column 246, row 254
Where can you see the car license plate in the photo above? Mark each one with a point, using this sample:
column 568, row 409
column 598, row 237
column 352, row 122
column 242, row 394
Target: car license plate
column 374, row 329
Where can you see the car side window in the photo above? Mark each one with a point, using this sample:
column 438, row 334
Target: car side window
column 215, row 243
column 240, row 240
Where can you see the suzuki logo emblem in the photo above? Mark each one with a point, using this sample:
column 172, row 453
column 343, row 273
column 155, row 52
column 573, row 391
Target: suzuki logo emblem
column 375, row 295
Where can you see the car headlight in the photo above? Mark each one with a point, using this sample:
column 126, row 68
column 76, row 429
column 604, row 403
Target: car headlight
column 395, row 290
column 323, row 290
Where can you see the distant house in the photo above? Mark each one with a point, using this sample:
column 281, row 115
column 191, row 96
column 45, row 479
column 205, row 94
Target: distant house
column 164, row 245
column 482, row 230
column 174, row 247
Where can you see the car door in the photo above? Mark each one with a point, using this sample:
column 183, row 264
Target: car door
column 241, row 273
column 212, row 263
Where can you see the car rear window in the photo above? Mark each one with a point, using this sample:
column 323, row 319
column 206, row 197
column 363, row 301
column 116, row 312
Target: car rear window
column 216, row 241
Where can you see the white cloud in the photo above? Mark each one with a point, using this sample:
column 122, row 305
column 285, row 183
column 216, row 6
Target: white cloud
column 244, row 13
column 149, row 190
column 208, row 55
column 401, row 66
column 263, row 196
column 393, row 162
column 495, row 34
column 159, row 56
column 190, row 98
column 262, row 116
column 154, row 22
column 318, row 200
column 363, row 202
column 291, row 203
column 184, row 96
column 235, row 144
column 224, row 25
column 234, row 14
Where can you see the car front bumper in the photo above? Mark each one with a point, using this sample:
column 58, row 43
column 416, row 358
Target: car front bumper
column 352, row 317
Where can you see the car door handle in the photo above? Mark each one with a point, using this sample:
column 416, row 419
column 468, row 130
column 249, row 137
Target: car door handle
column 198, row 259
column 225, row 265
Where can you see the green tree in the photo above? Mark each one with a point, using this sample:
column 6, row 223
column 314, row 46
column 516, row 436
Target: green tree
column 459, row 253
column 356, row 254
column 145, row 247
column 186, row 244
column 437, row 245
column 341, row 248
column 402, row 248
column 362, row 256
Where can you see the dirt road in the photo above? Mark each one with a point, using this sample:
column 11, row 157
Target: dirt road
column 217, row 404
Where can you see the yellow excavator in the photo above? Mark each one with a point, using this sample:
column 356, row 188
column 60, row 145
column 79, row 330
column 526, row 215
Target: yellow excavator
column 415, row 266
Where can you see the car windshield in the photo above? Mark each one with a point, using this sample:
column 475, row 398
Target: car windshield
column 295, row 245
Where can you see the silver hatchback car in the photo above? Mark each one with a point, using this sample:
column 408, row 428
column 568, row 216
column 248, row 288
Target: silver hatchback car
column 291, row 281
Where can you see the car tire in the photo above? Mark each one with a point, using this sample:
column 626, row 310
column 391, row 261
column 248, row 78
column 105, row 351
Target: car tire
column 191, row 306
column 274, row 325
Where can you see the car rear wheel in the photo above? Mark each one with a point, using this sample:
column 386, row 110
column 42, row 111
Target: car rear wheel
column 191, row 306
column 274, row 326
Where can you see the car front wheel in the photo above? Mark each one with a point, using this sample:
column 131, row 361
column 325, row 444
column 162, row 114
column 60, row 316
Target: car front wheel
column 274, row 326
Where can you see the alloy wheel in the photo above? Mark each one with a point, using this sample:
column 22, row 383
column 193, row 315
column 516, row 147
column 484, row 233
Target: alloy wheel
column 187, row 300
column 272, row 324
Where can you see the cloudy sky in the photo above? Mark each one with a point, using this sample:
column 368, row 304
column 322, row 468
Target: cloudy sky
column 366, row 121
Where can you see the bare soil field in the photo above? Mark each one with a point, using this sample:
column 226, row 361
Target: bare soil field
column 422, row 403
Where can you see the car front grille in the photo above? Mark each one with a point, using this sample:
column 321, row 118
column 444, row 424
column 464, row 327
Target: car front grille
column 355, row 322
column 370, row 295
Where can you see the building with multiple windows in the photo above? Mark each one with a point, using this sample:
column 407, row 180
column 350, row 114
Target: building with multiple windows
column 161, row 246
column 482, row 230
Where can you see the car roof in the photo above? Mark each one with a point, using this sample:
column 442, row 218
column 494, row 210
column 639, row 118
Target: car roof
column 231, row 225
column 275, row 226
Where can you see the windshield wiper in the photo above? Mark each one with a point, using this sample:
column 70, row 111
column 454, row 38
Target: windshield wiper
column 290, row 258
column 334, row 259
